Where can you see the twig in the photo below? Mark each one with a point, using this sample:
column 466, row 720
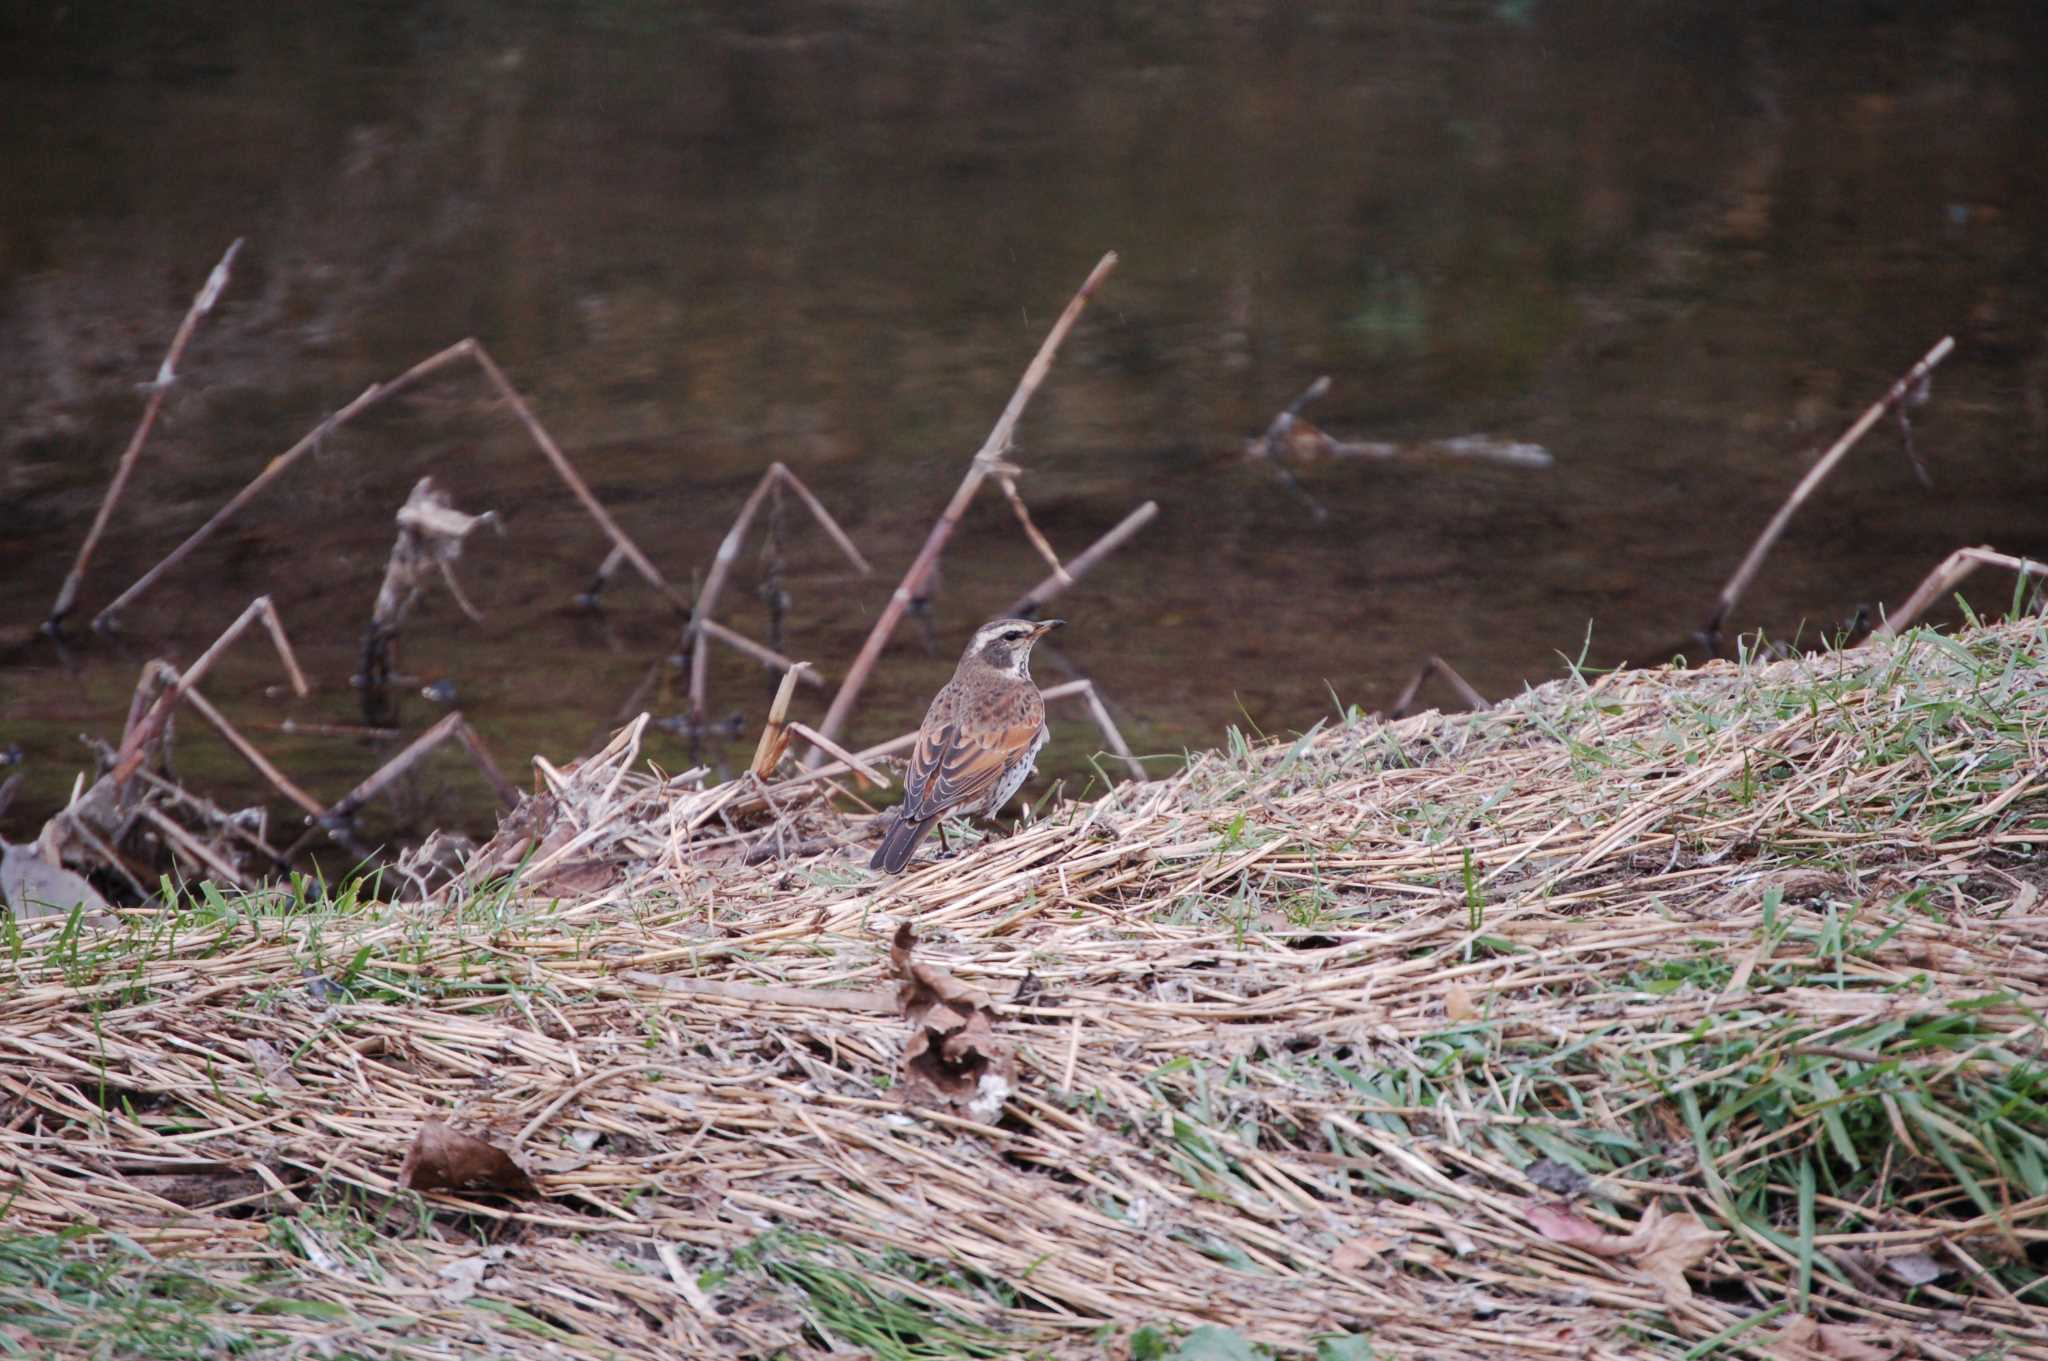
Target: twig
column 166, row 375
column 1435, row 665
column 336, row 816
column 278, row 466
column 1944, row 579
column 1109, row 729
column 1909, row 386
column 377, row 392
column 825, row 521
column 567, row 472
column 601, row 578
column 478, row 752
column 714, row 584
column 298, row 729
column 182, row 840
column 1039, row 596
column 766, row 656
column 141, row 730
column 1008, row 483
column 775, row 736
column 992, row 449
column 877, row 1000
column 868, row 774
column 246, row 749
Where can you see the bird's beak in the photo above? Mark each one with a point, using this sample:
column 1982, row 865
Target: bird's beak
column 1046, row 626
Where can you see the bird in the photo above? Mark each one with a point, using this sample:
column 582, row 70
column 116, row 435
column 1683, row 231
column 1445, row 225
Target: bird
column 979, row 739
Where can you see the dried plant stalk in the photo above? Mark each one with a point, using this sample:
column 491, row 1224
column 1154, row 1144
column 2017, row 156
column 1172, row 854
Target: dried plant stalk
column 1907, row 387
column 166, row 375
column 142, row 729
column 1436, row 666
column 992, row 449
column 1027, row 606
column 1946, row 577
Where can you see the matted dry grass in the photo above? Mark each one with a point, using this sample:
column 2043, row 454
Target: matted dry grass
column 1314, row 1043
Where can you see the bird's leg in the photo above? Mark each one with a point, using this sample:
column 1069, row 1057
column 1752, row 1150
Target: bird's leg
column 945, row 849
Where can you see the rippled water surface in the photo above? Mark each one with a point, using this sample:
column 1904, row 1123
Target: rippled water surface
column 1680, row 246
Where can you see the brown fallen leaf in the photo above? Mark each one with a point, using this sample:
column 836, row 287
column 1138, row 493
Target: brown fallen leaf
column 1671, row 1244
column 445, row 1159
column 1560, row 1223
column 953, row 1056
column 1663, row 1246
column 1804, row 1340
column 1458, row 1003
column 1916, row 1268
column 276, row 1071
column 1354, row 1254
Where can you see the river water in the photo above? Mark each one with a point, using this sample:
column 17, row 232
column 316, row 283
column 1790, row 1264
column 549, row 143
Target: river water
column 1679, row 246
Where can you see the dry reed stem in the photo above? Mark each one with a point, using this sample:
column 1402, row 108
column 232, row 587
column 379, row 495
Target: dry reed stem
column 1777, row 891
column 247, row 750
column 374, row 784
column 1434, row 665
column 166, row 375
column 775, row 733
column 1028, row 605
column 1946, row 576
column 1900, row 391
column 142, row 727
column 769, row 657
column 991, row 452
column 469, row 348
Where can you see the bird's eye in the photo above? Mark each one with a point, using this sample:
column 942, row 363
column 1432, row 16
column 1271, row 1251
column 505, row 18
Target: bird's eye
column 1014, row 634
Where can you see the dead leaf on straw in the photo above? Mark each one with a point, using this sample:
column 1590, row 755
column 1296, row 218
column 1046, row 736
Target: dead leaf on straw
column 1354, row 1254
column 1560, row 1223
column 953, row 1055
column 445, row 1159
column 1916, row 1268
column 1804, row 1340
column 1663, row 1246
column 1552, row 1175
column 1458, row 1003
column 272, row 1064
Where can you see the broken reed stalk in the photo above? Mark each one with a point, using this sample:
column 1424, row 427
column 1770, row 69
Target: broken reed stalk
column 1028, row 605
column 247, row 750
column 1900, row 391
column 1946, row 577
column 1008, row 483
column 775, row 735
column 338, row 815
column 182, row 841
column 141, row 730
column 825, row 520
column 508, row 794
column 866, row 773
column 983, row 463
column 765, row 655
column 1110, row 734
column 468, row 348
column 714, row 584
column 1435, row 665
column 166, row 374
column 567, row 472
column 721, row 567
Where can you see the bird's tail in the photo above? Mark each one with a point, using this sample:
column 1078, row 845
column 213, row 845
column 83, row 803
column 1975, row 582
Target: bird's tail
column 898, row 845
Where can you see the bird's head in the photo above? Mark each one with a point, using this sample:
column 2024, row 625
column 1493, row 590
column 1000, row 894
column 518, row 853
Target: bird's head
column 1005, row 644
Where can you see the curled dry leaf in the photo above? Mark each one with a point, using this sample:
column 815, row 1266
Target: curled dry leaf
column 445, row 1159
column 271, row 1063
column 1458, row 1003
column 1916, row 1268
column 1552, row 1175
column 1355, row 1254
column 1663, row 1246
column 1804, row 1340
column 953, row 1056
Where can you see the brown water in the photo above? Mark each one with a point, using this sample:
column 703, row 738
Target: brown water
column 1679, row 245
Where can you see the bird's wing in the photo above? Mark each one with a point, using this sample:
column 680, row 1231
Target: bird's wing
column 949, row 769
